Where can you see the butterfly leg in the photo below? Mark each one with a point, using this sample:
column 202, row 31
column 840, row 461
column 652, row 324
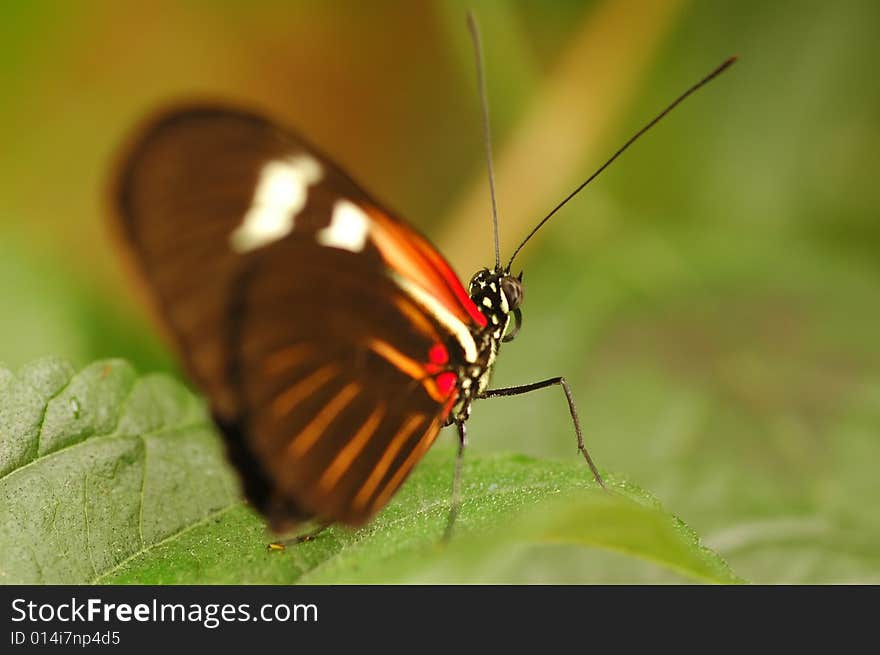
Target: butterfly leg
column 543, row 384
column 281, row 544
column 456, row 480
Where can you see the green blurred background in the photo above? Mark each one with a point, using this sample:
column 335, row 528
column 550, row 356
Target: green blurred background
column 714, row 299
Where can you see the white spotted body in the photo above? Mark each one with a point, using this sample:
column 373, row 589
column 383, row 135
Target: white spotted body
column 498, row 295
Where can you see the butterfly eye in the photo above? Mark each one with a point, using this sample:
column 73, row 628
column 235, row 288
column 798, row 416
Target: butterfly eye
column 513, row 291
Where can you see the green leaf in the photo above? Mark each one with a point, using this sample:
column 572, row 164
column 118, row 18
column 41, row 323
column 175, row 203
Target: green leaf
column 97, row 466
column 110, row 477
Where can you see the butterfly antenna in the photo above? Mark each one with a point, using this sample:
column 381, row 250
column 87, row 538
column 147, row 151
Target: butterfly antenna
column 487, row 136
column 715, row 73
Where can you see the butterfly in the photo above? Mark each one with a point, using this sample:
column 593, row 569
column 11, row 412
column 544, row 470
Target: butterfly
column 332, row 339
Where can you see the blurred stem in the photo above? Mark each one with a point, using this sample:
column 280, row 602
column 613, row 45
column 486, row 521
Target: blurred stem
column 573, row 113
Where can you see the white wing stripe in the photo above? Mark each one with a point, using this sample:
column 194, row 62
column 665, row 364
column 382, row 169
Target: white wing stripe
column 443, row 315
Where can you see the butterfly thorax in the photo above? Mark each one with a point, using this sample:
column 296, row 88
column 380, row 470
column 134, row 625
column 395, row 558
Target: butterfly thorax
column 498, row 295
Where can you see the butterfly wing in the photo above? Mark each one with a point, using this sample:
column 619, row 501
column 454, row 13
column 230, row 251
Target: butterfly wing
column 320, row 326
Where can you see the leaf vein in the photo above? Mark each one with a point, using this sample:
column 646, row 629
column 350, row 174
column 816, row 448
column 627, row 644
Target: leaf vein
column 87, row 522
column 156, row 432
column 143, row 439
column 46, row 411
column 192, row 526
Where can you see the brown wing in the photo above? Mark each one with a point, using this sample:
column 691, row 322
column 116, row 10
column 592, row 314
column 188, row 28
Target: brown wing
column 336, row 377
column 322, row 370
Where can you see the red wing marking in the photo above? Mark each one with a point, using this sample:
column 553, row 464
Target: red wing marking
column 446, row 382
column 417, row 371
column 438, row 357
column 438, row 354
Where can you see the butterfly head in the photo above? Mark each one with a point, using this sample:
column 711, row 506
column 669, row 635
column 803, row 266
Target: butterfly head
column 498, row 294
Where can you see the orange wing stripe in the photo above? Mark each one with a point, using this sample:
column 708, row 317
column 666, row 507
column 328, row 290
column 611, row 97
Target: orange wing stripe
column 286, row 358
column 401, row 473
column 353, row 448
column 290, row 398
column 309, row 435
column 415, row 315
column 366, row 491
